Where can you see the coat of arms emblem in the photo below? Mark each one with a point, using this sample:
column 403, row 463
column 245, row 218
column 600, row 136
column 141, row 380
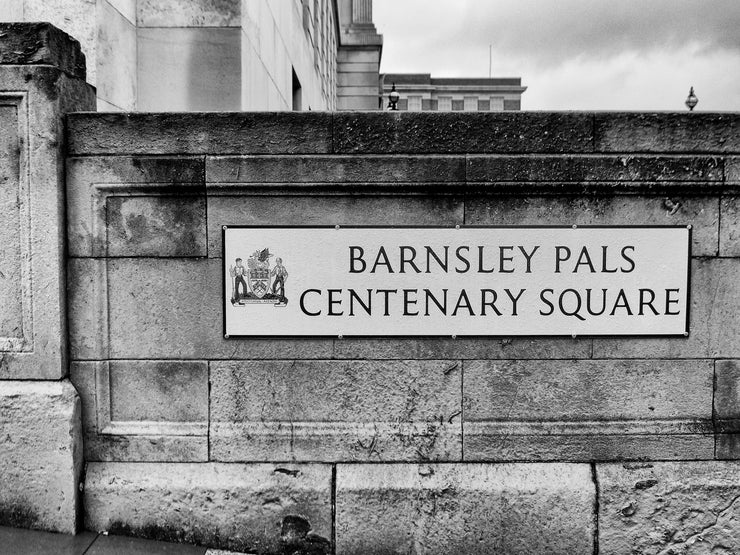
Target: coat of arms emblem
column 259, row 273
column 259, row 286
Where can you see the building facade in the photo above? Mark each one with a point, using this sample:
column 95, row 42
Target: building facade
column 200, row 55
column 422, row 92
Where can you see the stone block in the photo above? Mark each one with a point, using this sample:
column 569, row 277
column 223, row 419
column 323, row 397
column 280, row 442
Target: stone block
column 143, row 410
column 729, row 229
column 40, row 455
column 173, row 309
column 189, row 13
column 102, row 193
column 156, row 226
column 335, row 410
column 612, row 170
column 666, row 132
column 700, row 212
column 439, row 133
column 395, row 170
column 32, row 44
column 199, row 133
column 325, row 210
column 471, row 508
column 669, row 507
column 259, row 508
column 461, row 348
column 732, row 171
column 188, row 68
column 727, row 446
column 33, row 101
column 713, row 325
column 587, row 410
column 87, row 298
column 727, row 396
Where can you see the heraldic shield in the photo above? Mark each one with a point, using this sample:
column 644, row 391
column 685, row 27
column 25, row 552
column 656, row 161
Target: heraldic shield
column 259, row 273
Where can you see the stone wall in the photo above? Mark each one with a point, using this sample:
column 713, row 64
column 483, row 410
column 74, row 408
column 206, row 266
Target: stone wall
column 513, row 445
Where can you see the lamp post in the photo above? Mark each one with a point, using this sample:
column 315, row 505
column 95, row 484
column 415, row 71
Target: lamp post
column 691, row 100
column 393, row 99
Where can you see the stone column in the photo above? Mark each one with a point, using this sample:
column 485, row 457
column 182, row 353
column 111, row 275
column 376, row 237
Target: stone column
column 42, row 72
column 358, row 58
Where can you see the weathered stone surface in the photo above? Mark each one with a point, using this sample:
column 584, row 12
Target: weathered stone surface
column 40, row 44
column 336, row 169
column 679, row 508
column 167, row 196
column 172, row 309
column 39, row 95
column 199, row 133
column 727, row 446
column 40, row 455
column 732, row 170
column 702, row 213
column 260, row 508
column 608, row 169
column 727, row 409
column 336, row 410
column 586, row 410
column 87, row 298
column 713, row 327
column 186, row 13
column 12, row 225
column 143, row 410
column 666, row 132
column 156, row 226
column 727, row 396
column 328, row 210
column 471, row 508
column 420, row 132
column 729, row 229
column 461, row 348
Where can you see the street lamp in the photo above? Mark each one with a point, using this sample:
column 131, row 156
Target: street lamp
column 692, row 101
column 393, row 99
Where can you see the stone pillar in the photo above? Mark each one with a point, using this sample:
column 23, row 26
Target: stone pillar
column 358, row 59
column 42, row 71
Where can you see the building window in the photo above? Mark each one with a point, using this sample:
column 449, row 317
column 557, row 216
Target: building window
column 497, row 104
column 470, row 103
column 445, row 103
column 457, row 105
column 297, row 93
column 414, row 103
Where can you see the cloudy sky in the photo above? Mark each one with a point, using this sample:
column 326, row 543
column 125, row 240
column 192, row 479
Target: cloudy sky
column 574, row 54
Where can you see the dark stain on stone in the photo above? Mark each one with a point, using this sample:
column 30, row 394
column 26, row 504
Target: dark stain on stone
column 18, row 516
column 288, row 471
column 645, row 484
column 297, row 539
column 148, row 531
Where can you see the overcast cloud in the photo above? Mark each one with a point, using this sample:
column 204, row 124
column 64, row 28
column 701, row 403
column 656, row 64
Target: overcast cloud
column 575, row 54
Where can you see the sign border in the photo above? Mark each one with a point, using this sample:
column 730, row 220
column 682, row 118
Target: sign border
column 225, row 227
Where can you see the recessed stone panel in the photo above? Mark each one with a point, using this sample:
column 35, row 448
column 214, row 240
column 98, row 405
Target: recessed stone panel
column 156, row 226
column 335, row 410
column 585, row 410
